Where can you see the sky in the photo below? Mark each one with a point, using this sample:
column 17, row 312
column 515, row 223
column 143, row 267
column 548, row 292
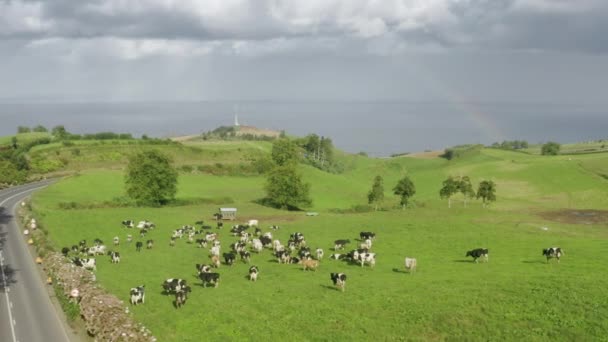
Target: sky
column 548, row 51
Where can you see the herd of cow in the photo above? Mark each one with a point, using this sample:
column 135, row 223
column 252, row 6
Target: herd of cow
column 256, row 241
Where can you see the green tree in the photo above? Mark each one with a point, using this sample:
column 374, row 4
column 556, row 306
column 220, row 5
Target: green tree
column 285, row 152
column 405, row 189
column 487, row 192
column 550, row 149
column 285, row 188
column 23, row 129
column 40, row 128
column 466, row 189
column 10, row 174
column 151, row 178
column 450, row 187
column 59, row 132
column 376, row 194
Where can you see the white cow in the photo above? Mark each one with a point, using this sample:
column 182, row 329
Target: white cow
column 410, row 264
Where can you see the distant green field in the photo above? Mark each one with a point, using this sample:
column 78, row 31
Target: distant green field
column 517, row 296
column 24, row 137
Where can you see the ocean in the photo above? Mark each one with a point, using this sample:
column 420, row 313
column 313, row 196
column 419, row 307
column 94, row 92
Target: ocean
column 376, row 128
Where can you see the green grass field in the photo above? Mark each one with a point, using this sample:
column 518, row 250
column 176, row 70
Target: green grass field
column 517, row 296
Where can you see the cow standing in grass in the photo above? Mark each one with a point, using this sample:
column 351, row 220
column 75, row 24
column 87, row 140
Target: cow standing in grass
column 553, row 252
column 339, row 280
column 478, row 253
column 138, row 295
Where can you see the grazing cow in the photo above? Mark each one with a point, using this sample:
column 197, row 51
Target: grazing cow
column 266, row 241
column 172, row 241
column 129, row 238
column 245, row 256
column 75, row 249
column 274, row 227
column 258, row 231
column 65, row 251
column 201, row 243
column 553, row 252
column 367, row 235
column 149, row 244
column 217, row 216
column 304, row 253
column 319, row 252
column 82, row 243
column 210, row 278
column 203, row 268
column 215, row 261
column 210, row 237
column 114, row 257
column 294, row 260
column 116, row 241
column 282, row 257
column 97, row 250
column 138, row 295
column 173, row 285
column 88, row 264
column 138, row 246
column 215, row 250
column 369, row 258
column 337, row 256
column 229, row 258
column 339, row 244
column 181, row 296
column 252, row 223
column 178, row 233
column 339, row 280
column 220, row 225
column 253, row 273
column 256, row 245
column 145, row 225
column 410, row 264
column 310, row 264
column 128, row 223
column 277, row 247
column 478, row 253
column 97, row 242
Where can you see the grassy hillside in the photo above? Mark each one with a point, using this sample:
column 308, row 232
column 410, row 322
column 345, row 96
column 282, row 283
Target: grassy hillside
column 516, row 296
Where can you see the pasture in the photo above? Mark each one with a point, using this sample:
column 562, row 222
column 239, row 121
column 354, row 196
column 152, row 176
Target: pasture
column 517, row 295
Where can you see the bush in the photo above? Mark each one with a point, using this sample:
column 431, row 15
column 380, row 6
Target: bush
column 151, row 179
column 550, row 149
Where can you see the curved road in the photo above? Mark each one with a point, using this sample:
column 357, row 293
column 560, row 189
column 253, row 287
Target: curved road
column 26, row 311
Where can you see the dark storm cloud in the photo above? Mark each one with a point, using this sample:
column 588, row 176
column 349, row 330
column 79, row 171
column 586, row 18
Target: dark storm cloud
column 501, row 24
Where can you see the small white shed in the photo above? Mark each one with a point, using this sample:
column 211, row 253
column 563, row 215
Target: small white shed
column 228, row 213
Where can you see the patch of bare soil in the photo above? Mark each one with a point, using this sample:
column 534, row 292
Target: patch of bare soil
column 576, row 216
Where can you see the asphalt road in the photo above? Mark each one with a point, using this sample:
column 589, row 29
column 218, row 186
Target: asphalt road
column 26, row 311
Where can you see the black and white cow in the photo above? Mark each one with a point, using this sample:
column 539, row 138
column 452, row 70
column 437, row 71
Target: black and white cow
column 337, row 256
column 274, row 227
column 145, row 225
column 256, row 245
column 138, row 295
column 365, row 258
column 181, row 296
column 367, row 235
column 283, row 257
column 220, row 224
column 173, row 285
column 138, row 246
column 253, row 273
column 89, row 264
column 210, row 278
column 478, row 253
column 116, row 241
column 97, row 242
column 114, row 257
column 339, row 280
column 266, row 241
column 245, row 256
column 304, row 253
column 553, row 252
column 65, row 251
column 339, row 244
column 128, row 223
column 149, row 244
column 129, row 238
column 203, row 268
column 229, row 258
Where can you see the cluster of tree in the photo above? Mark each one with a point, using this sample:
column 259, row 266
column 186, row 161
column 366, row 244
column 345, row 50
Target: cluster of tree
column 25, row 129
column 511, row 144
column 151, row 178
column 318, row 150
column 486, row 190
column 405, row 189
column 14, row 165
column 550, row 149
column 230, row 133
column 461, row 151
column 285, row 187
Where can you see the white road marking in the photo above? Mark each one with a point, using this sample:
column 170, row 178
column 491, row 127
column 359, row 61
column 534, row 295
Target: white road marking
column 10, row 313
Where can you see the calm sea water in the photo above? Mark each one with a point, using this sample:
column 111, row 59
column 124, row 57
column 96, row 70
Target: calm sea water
column 377, row 128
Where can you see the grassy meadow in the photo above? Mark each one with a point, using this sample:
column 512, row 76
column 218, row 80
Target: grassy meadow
column 515, row 296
